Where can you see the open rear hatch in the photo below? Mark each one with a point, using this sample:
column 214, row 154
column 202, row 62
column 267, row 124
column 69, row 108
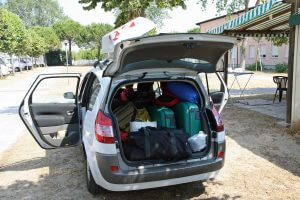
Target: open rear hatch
column 197, row 52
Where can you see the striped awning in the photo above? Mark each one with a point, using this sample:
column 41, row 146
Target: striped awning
column 269, row 19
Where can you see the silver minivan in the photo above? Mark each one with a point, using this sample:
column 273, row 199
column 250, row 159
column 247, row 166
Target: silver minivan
column 59, row 110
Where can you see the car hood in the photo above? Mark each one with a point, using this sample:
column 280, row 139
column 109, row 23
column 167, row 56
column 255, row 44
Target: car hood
column 198, row 52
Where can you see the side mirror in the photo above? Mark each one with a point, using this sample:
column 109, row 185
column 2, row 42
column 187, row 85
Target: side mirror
column 217, row 97
column 69, row 95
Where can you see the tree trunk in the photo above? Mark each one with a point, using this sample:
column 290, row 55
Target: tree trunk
column 98, row 53
column 246, row 6
column 243, row 54
column 70, row 52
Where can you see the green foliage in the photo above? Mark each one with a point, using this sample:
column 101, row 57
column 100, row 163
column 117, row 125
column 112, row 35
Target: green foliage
column 130, row 9
column 94, row 34
column 36, row 12
column 194, row 30
column 49, row 36
column 68, row 29
column 35, row 45
column 12, row 33
column 255, row 67
column 278, row 41
column 87, row 54
column 281, row 67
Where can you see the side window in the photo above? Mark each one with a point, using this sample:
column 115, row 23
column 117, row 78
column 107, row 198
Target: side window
column 211, row 82
column 95, row 89
column 54, row 90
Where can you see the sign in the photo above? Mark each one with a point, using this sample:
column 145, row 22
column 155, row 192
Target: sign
column 134, row 28
column 294, row 20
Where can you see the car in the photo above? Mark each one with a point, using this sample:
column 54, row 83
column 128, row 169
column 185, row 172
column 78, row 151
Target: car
column 27, row 63
column 16, row 64
column 80, row 112
column 4, row 68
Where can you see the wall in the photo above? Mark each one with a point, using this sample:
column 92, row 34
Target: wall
column 235, row 60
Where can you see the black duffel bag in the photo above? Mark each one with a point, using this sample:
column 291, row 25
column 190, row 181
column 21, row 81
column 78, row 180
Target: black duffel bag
column 157, row 144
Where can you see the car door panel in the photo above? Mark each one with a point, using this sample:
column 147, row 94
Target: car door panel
column 54, row 114
column 52, row 124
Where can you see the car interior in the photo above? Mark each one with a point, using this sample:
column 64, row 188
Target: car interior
column 148, row 114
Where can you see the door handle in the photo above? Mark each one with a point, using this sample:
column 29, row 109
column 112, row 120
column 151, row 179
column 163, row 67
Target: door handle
column 70, row 112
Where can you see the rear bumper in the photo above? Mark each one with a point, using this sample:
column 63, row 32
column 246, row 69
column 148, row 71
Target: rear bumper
column 159, row 173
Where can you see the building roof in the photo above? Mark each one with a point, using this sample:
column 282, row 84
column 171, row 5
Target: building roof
column 220, row 17
column 269, row 19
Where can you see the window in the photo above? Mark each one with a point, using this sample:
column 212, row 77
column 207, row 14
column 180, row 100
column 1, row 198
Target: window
column 52, row 90
column 274, row 51
column 252, row 51
column 263, row 51
column 286, row 53
column 93, row 95
column 234, row 53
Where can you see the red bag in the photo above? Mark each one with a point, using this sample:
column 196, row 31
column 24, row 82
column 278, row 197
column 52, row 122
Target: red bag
column 166, row 101
column 124, row 135
column 127, row 94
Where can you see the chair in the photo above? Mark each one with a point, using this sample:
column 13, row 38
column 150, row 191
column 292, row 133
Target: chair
column 281, row 82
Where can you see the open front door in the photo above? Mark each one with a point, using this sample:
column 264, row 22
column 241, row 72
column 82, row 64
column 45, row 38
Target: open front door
column 50, row 110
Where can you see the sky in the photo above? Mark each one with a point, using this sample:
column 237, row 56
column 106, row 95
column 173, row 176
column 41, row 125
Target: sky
column 180, row 20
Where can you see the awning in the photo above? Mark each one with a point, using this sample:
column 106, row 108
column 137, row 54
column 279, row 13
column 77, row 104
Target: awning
column 269, row 19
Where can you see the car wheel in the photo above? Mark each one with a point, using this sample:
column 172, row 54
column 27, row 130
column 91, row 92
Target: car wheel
column 92, row 186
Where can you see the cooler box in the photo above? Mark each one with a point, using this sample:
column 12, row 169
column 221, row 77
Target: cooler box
column 188, row 117
column 164, row 116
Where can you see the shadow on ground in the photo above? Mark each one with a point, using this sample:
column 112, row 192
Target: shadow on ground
column 259, row 134
column 66, row 180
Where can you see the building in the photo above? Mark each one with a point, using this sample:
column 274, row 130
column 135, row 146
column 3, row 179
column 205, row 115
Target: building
column 256, row 49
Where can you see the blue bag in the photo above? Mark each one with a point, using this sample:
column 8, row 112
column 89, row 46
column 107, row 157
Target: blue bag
column 184, row 91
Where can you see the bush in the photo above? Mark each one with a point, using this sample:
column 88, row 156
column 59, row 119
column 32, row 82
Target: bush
column 281, row 67
column 252, row 67
column 87, row 54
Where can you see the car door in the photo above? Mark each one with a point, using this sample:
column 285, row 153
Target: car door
column 216, row 89
column 50, row 110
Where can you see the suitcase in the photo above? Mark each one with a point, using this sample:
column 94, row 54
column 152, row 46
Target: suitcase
column 164, row 116
column 188, row 117
column 125, row 114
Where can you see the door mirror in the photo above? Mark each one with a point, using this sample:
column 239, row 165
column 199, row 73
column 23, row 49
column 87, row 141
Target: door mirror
column 69, row 95
column 217, row 98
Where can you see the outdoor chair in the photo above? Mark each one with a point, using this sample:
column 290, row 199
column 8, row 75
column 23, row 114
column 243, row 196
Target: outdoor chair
column 281, row 82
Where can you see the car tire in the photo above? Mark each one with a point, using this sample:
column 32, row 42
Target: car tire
column 92, row 186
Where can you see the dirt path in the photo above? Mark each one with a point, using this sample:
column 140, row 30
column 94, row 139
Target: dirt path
column 262, row 162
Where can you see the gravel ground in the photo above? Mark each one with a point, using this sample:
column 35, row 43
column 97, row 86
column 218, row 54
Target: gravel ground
column 262, row 162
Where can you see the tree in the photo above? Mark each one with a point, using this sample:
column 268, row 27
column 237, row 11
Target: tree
column 93, row 36
column 129, row 9
column 36, row 45
column 70, row 30
column 36, row 12
column 12, row 33
column 51, row 40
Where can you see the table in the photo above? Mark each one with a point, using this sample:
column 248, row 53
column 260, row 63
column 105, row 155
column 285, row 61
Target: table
column 242, row 89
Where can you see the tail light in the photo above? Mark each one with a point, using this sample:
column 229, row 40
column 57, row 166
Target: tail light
column 103, row 129
column 219, row 126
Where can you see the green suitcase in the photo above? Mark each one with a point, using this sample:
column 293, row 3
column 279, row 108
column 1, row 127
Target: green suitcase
column 164, row 116
column 188, row 117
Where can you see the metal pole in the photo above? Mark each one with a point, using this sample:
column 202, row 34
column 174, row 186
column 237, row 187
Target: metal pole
column 67, row 58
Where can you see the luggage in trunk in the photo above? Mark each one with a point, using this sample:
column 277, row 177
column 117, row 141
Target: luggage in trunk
column 125, row 114
column 157, row 144
column 188, row 117
column 164, row 116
